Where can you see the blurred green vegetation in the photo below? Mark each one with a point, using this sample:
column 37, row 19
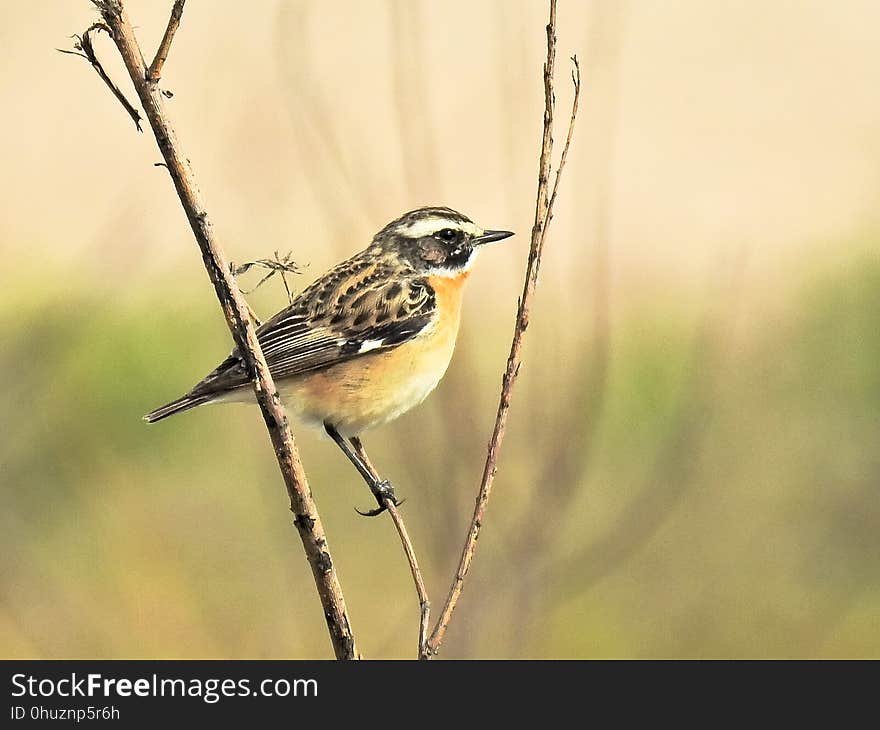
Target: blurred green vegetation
column 708, row 488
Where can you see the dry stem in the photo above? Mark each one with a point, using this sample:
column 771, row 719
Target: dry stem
column 543, row 214
column 235, row 309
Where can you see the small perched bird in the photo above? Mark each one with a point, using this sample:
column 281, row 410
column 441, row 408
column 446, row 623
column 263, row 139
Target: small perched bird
column 367, row 341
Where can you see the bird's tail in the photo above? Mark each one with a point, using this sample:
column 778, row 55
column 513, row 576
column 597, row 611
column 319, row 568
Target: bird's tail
column 184, row 403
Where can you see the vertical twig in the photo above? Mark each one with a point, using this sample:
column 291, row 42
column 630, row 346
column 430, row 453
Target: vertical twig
column 543, row 214
column 235, row 309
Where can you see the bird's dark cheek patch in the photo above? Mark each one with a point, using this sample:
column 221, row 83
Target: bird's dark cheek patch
column 431, row 252
column 459, row 258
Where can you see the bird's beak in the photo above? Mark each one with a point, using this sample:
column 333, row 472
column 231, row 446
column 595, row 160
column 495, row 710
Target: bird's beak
column 491, row 237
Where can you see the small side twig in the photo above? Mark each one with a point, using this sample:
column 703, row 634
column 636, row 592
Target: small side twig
column 576, row 84
column 543, row 215
column 155, row 70
column 85, row 49
column 281, row 265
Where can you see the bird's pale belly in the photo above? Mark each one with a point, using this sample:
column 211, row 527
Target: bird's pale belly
column 372, row 389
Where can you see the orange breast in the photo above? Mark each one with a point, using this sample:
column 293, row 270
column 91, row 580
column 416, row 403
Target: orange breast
column 375, row 388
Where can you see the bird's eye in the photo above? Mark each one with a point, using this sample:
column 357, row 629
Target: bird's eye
column 447, row 234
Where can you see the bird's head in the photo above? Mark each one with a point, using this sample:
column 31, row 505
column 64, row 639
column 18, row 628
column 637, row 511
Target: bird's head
column 436, row 241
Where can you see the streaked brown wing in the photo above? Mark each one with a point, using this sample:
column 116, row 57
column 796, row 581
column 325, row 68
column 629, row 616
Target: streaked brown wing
column 353, row 310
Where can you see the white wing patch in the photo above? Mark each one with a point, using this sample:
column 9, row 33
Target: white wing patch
column 368, row 345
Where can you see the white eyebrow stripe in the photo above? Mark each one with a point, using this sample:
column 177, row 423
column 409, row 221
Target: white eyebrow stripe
column 429, row 226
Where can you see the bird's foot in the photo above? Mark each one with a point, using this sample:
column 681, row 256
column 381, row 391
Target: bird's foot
column 383, row 491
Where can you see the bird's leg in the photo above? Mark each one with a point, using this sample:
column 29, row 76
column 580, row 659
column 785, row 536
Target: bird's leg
column 381, row 488
column 386, row 490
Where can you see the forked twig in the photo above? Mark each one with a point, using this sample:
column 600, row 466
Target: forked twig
column 576, row 84
column 85, row 49
column 235, row 309
column 155, row 70
column 543, row 215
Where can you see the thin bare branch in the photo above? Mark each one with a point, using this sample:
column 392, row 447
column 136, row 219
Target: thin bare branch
column 543, row 215
column 85, row 49
column 421, row 591
column 155, row 71
column 236, row 311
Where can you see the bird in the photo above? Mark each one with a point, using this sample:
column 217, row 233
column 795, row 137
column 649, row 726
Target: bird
column 368, row 340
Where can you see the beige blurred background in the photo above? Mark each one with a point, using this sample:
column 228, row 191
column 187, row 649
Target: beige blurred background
column 692, row 464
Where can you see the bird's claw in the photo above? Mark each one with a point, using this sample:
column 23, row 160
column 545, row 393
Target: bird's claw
column 382, row 491
column 371, row 512
column 375, row 512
